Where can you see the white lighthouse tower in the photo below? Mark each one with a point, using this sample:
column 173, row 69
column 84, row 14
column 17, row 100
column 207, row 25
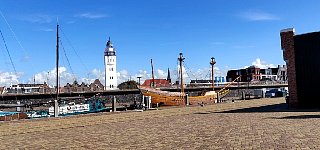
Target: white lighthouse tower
column 110, row 62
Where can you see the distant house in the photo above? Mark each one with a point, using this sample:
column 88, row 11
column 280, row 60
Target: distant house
column 251, row 73
column 96, row 86
column 254, row 73
column 268, row 74
column 282, row 73
column 74, row 87
column 157, row 83
column 28, row 88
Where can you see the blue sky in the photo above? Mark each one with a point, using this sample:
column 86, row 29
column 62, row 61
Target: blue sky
column 237, row 33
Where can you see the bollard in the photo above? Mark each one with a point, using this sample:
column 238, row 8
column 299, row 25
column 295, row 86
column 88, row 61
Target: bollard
column 242, row 95
column 218, row 98
column 56, row 108
column 114, row 101
column 142, row 101
column 263, row 94
column 187, row 100
column 18, row 107
column 149, row 102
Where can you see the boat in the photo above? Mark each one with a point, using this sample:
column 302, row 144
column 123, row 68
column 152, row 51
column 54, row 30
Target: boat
column 91, row 105
column 166, row 98
column 37, row 114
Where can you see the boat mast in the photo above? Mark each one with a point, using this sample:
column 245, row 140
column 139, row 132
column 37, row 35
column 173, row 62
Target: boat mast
column 152, row 85
column 181, row 74
column 56, row 113
column 212, row 62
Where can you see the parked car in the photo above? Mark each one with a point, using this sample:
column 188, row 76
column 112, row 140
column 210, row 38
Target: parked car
column 275, row 93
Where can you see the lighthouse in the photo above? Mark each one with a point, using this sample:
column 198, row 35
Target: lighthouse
column 110, row 62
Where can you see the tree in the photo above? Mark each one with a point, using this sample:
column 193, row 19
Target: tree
column 128, row 85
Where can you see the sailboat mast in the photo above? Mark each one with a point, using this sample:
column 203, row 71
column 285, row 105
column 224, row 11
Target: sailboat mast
column 57, row 64
column 152, row 85
column 181, row 74
column 56, row 105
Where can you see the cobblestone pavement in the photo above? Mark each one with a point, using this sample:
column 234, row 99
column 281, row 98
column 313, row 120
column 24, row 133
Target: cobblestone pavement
column 250, row 124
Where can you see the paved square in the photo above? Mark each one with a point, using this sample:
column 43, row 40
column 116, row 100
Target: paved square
column 251, row 124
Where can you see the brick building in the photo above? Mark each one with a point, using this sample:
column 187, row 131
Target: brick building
column 254, row 73
column 301, row 54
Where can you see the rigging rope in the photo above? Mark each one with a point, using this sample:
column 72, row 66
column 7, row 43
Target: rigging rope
column 16, row 38
column 209, row 73
column 188, row 69
column 65, row 54
column 5, row 44
column 74, row 50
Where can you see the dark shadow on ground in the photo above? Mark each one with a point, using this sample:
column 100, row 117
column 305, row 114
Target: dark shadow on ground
column 269, row 108
column 298, row 117
column 283, row 107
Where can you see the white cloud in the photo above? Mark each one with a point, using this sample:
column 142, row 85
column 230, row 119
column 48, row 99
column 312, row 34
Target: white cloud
column 8, row 78
column 91, row 15
column 50, row 77
column 258, row 16
column 261, row 64
column 161, row 74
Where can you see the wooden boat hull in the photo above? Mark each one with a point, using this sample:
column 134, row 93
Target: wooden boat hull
column 13, row 116
column 169, row 100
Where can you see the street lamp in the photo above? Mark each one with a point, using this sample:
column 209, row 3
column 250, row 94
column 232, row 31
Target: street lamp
column 212, row 62
column 139, row 81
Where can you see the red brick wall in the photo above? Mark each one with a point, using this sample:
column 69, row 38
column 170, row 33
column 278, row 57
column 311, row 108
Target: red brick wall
column 287, row 45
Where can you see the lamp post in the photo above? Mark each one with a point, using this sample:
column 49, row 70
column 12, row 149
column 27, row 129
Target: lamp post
column 139, row 81
column 212, row 62
column 238, row 74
